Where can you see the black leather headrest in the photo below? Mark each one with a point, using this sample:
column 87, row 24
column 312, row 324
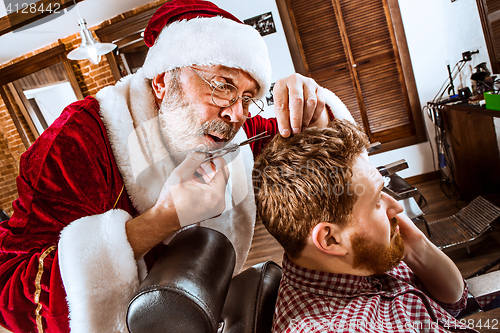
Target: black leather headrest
column 251, row 299
column 186, row 289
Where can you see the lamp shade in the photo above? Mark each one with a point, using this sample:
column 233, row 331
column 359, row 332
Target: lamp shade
column 89, row 48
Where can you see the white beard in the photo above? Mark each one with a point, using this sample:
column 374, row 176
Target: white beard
column 182, row 131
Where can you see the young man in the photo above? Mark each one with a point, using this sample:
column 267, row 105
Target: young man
column 111, row 179
column 353, row 262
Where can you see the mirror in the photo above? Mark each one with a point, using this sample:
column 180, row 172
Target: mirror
column 37, row 89
column 43, row 95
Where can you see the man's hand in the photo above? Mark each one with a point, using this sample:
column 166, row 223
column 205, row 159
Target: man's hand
column 196, row 198
column 298, row 103
column 413, row 238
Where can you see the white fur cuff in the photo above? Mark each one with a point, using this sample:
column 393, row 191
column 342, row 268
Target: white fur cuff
column 99, row 272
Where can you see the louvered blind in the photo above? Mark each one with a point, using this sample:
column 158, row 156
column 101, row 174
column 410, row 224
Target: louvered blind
column 324, row 51
column 493, row 5
column 493, row 9
column 495, row 26
column 348, row 48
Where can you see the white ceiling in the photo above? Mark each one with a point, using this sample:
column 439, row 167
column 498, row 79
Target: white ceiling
column 15, row 44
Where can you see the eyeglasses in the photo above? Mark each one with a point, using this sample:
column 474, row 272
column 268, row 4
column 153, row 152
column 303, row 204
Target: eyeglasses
column 225, row 94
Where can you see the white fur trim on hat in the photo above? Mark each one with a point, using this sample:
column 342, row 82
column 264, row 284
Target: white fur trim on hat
column 210, row 41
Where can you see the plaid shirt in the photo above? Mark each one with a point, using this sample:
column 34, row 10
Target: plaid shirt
column 314, row 301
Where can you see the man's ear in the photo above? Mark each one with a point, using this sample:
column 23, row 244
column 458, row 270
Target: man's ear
column 159, row 84
column 329, row 238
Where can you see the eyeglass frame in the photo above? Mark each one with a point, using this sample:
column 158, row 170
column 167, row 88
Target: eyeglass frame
column 234, row 100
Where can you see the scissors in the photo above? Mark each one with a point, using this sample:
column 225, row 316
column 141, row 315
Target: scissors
column 211, row 154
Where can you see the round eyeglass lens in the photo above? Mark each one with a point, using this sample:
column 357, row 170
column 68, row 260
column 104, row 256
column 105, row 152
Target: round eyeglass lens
column 255, row 107
column 224, row 94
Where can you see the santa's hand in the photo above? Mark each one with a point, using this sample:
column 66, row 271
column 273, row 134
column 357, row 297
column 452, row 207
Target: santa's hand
column 298, row 103
column 196, row 199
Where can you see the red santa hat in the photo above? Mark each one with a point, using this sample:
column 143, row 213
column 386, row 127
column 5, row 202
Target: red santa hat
column 195, row 32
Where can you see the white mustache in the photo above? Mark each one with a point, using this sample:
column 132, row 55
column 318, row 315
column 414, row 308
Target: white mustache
column 220, row 127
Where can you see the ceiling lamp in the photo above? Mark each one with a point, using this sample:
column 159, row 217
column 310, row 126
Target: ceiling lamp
column 89, row 48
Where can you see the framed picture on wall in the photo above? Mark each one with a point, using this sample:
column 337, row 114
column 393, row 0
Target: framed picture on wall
column 264, row 23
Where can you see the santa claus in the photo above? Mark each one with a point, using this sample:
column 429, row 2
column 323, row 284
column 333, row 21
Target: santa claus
column 107, row 184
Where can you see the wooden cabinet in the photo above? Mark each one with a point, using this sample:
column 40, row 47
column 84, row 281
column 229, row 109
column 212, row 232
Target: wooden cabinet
column 471, row 134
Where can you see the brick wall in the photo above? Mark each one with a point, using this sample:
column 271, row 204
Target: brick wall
column 91, row 78
column 11, row 148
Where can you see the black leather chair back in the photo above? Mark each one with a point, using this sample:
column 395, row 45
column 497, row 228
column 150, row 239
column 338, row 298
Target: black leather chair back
column 251, row 299
column 185, row 290
column 4, row 216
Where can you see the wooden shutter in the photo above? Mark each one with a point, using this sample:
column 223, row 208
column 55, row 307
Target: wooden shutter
column 489, row 12
column 349, row 47
column 323, row 50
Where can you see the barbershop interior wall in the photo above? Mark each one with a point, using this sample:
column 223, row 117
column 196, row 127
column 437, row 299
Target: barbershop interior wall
column 437, row 32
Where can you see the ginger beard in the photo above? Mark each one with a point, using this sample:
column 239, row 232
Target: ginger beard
column 377, row 257
column 182, row 131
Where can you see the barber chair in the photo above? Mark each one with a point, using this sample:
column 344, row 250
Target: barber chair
column 412, row 200
column 191, row 289
column 409, row 196
column 465, row 227
column 461, row 229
